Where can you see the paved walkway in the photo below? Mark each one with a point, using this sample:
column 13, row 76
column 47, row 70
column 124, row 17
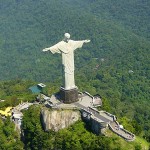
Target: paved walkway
column 85, row 102
column 95, row 113
column 23, row 106
column 122, row 132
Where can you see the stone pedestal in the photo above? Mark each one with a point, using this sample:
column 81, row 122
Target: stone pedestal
column 69, row 96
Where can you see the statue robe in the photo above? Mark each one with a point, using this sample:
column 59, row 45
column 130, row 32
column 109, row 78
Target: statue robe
column 67, row 51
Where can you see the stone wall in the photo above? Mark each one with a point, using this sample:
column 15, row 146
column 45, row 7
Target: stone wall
column 98, row 127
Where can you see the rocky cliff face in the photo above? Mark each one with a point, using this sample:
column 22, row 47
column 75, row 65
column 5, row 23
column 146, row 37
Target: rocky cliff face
column 58, row 119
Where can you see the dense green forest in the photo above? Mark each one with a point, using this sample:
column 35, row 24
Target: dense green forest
column 114, row 65
column 29, row 26
column 15, row 92
column 9, row 138
column 76, row 137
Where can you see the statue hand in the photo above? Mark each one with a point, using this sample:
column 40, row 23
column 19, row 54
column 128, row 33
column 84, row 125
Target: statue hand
column 45, row 49
column 87, row 41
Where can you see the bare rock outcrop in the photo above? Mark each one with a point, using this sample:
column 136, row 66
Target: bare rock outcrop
column 58, row 119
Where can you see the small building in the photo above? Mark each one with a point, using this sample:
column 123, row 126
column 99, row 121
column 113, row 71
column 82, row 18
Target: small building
column 42, row 98
column 36, row 89
column 41, row 85
column 97, row 101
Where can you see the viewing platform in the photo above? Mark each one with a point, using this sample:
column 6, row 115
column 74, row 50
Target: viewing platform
column 100, row 120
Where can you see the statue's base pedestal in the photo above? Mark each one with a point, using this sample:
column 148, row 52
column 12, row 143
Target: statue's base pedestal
column 69, row 96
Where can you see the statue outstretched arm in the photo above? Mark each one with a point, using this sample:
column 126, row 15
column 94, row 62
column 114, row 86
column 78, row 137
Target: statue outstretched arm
column 46, row 49
column 79, row 44
column 54, row 49
column 87, row 41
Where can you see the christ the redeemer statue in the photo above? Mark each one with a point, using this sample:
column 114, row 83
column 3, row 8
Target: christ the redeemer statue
column 66, row 48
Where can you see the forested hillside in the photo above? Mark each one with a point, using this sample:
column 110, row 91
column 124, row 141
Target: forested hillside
column 115, row 64
column 133, row 14
column 29, row 26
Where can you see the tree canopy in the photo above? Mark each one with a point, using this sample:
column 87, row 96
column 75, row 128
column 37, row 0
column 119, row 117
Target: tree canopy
column 114, row 65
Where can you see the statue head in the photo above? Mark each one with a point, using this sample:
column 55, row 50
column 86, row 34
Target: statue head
column 67, row 36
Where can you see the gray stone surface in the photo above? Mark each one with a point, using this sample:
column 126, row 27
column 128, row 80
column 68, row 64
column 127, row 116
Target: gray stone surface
column 58, row 119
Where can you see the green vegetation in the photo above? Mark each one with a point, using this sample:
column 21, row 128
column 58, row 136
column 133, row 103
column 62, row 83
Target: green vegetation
column 14, row 92
column 9, row 138
column 114, row 65
column 29, row 26
column 139, row 143
column 75, row 137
